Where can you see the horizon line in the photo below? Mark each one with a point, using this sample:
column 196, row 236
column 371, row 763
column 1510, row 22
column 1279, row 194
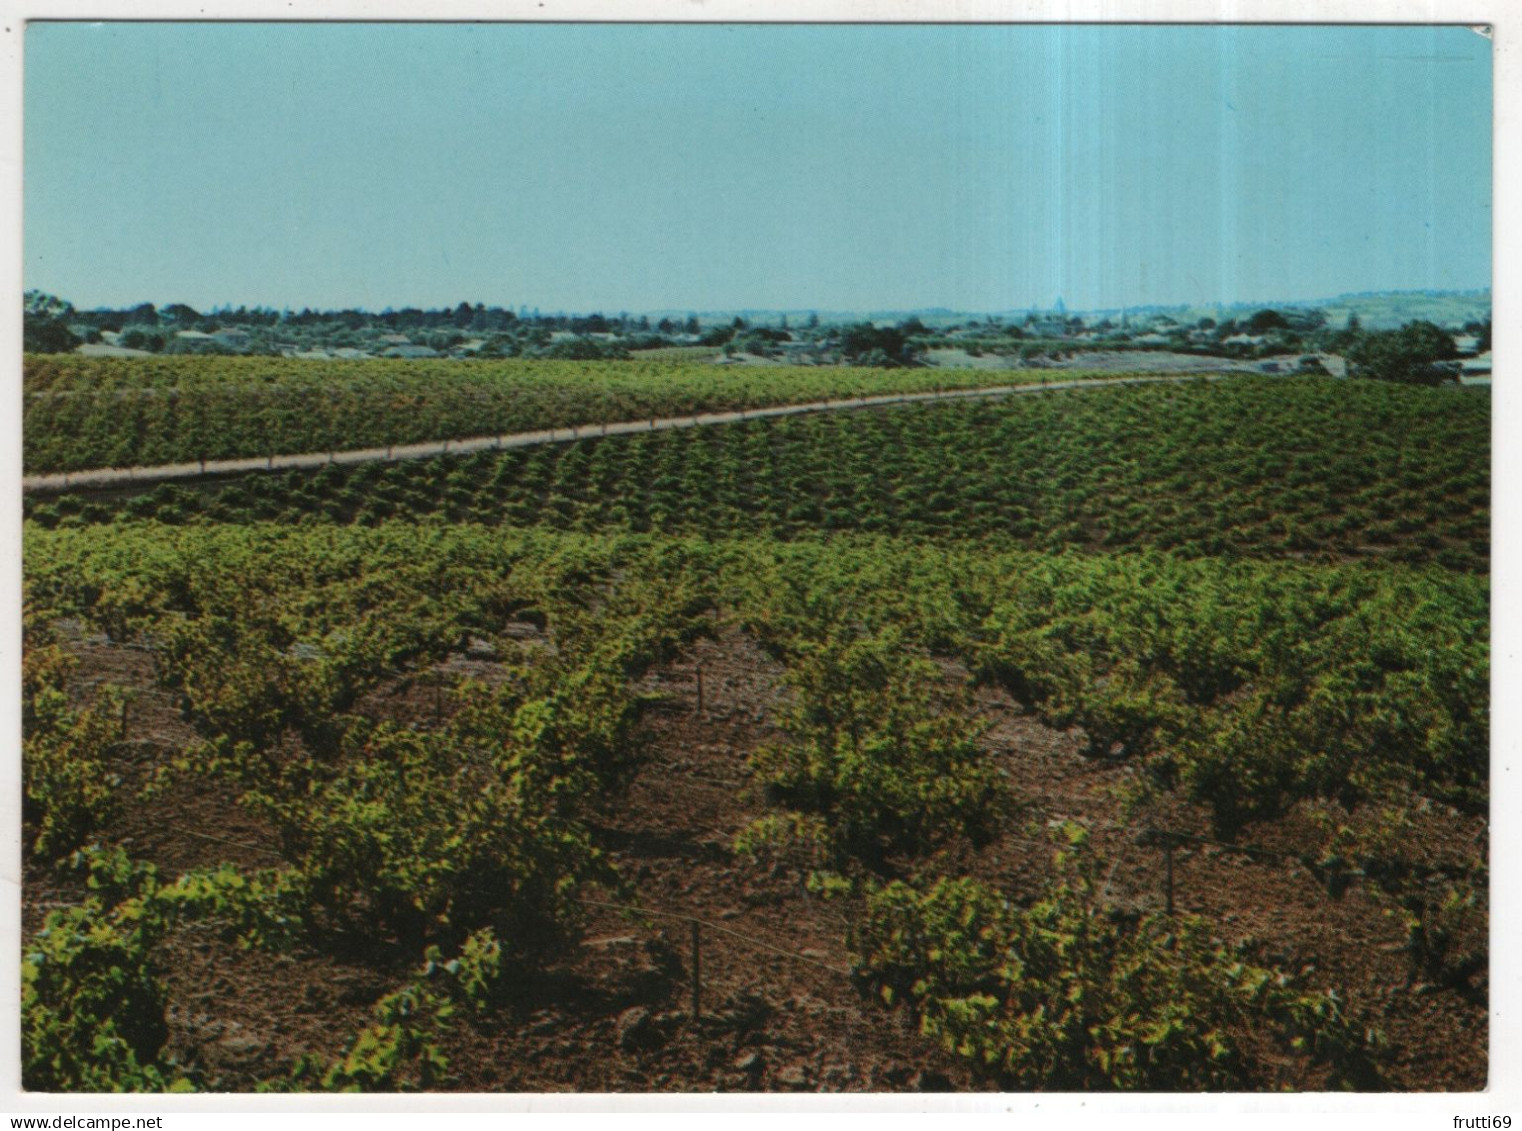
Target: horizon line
column 559, row 311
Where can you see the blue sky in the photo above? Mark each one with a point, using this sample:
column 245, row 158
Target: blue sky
column 709, row 167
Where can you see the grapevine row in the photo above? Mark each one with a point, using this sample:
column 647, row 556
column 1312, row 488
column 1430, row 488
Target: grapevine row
column 1254, row 468
column 121, row 412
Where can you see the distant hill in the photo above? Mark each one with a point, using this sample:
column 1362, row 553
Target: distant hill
column 1395, row 308
column 1376, row 310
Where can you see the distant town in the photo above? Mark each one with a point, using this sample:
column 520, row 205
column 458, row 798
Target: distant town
column 1440, row 336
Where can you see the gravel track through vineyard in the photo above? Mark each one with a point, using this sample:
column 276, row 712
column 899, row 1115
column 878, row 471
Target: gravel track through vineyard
column 200, row 469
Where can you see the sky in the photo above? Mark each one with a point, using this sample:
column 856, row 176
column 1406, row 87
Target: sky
column 608, row 167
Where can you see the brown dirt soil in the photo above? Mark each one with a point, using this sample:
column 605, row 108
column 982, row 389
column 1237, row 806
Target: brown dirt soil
column 777, row 1009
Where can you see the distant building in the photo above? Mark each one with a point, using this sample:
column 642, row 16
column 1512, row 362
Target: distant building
column 234, row 338
column 101, row 349
column 1476, row 370
column 410, row 352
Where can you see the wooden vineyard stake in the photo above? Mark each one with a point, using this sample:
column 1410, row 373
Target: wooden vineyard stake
column 700, row 688
column 697, row 969
column 1168, row 874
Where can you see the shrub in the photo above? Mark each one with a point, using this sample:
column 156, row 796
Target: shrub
column 68, row 788
column 883, row 761
column 92, row 1004
column 438, row 834
column 1064, row 995
column 401, row 1052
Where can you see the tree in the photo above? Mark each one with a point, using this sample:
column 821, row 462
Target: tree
column 1410, row 355
column 881, row 347
column 40, row 304
column 584, row 349
column 44, row 327
column 182, row 314
column 139, row 339
column 47, row 336
column 1266, row 320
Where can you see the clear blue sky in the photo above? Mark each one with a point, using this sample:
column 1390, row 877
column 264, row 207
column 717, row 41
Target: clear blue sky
column 629, row 167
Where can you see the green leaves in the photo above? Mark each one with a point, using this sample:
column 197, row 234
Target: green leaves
column 1277, row 468
column 401, row 1052
column 69, row 789
column 443, row 832
column 92, row 1006
column 116, row 412
column 1252, row 686
column 1062, row 996
column 880, row 761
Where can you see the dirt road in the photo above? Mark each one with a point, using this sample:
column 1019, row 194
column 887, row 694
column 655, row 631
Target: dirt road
column 165, row 473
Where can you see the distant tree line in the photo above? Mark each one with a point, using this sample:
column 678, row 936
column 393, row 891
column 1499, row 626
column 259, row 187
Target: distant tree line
column 53, row 325
column 1419, row 352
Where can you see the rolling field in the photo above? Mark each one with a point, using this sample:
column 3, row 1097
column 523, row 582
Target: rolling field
column 84, row 412
column 1255, row 467
column 1132, row 738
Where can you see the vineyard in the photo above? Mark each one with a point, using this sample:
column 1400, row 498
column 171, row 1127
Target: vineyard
column 1109, row 739
column 1255, row 467
column 84, row 412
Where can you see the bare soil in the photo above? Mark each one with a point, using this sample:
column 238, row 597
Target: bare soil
column 777, row 1010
